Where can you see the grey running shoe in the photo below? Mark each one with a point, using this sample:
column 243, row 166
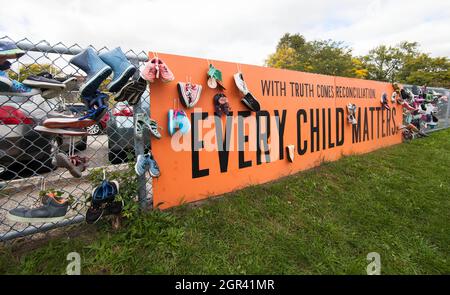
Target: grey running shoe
column 52, row 211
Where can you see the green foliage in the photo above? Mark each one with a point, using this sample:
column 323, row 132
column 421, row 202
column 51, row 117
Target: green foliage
column 403, row 63
column 33, row 69
column 319, row 56
column 393, row 201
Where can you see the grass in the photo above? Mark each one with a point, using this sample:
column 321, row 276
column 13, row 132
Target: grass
column 395, row 201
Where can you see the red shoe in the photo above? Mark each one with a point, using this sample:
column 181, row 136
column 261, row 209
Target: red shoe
column 150, row 70
column 164, row 72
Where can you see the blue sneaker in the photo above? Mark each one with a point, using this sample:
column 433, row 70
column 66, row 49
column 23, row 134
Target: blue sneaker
column 183, row 122
column 123, row 70
column 147, row 162
column 97, row 71
column 178, row 119
column 171, row 122
column 15, row 87
column 153, row 166
column 105, row 192
column 141, row 165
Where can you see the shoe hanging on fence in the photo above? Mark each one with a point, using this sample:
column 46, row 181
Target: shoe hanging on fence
column 143, row 121
column 221, row 104
column 103, row 201
column 61, row 131
column 74, row 164
column 43, row 80
column 189, row 93
column 10, row 87
column 97, row 71
column 53, row 209
column 290, row 150
column 351, row 118
column 147, row 162
column 132, row 91
column 178, row 120
column 122, row 69
column 157, row 69
column 384, row 101
column 214, row 78
column 69, row 84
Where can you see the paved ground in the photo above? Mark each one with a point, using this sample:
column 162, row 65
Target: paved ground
column 25, row 191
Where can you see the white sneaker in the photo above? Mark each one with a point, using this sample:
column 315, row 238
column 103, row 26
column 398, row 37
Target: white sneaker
column 240, row 83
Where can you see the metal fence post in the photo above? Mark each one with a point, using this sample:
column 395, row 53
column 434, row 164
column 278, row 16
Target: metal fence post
column 139, row 149
column 447, row 93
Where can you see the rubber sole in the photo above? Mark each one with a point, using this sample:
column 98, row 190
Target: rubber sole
column 171, row 127
column 34, row 220
column 89, row 88
column 122, row 80
column 68, row 123
column 43, row 85
column 60, row 131
column 132, row 91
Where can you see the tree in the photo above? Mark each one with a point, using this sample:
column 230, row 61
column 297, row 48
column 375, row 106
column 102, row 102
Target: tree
column 425, row 69
column 32, row 69
column 319, row 56
column 384, row 63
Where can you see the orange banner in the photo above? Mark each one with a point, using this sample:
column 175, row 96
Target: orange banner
column 220, row 154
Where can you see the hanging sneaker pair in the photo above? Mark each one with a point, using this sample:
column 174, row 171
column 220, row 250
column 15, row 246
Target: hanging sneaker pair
column 132, row 91
column 189, row 93
column 53, row 208
column 351, row 118
column 147, row 162
column 103, row 201
column 248, row 100
column 178, row 120
column 156, row 68
column 101, row 66
column 75, row 164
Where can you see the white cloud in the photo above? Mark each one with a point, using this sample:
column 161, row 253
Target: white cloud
column 235, row 30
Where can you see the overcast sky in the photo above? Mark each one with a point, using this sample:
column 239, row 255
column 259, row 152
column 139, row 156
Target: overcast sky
column 231, row 30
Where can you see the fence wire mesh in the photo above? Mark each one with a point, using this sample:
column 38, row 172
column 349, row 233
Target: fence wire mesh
column 26, row 165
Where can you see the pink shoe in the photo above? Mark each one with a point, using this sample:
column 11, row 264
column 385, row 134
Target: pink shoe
column 164, row 72
column 150, row 70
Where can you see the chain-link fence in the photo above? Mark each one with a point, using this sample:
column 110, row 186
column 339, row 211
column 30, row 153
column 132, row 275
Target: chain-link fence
column 439, row 109
column 26, row 155
column 26, row 166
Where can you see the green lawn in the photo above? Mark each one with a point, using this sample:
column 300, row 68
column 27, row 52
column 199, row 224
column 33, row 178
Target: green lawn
column 394, row 201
